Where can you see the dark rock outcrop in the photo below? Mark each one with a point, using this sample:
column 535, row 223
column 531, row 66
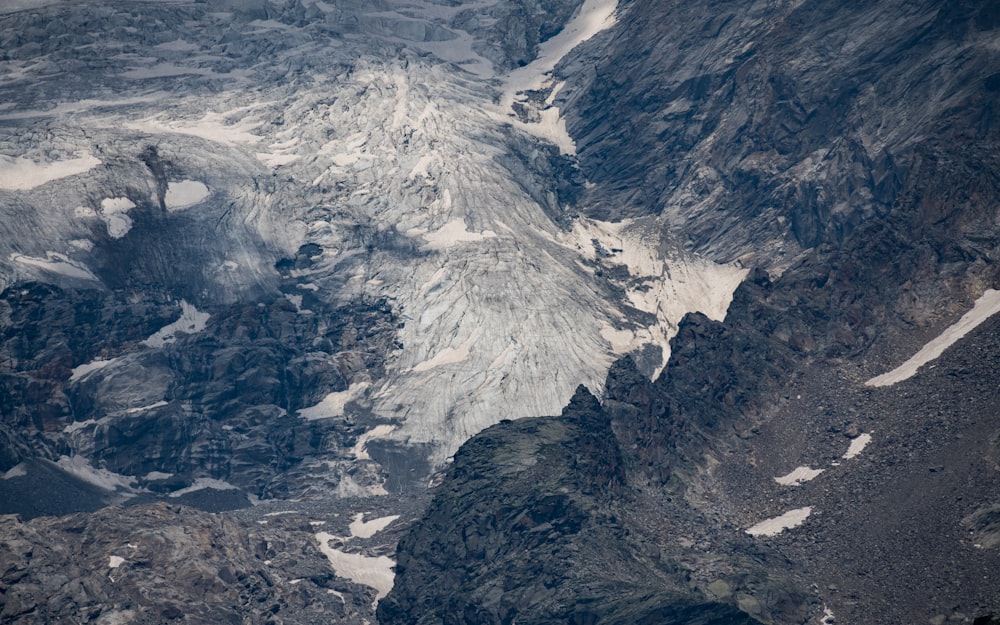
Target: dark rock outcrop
column 526, row 529
column 781, row 126
column 164, row 563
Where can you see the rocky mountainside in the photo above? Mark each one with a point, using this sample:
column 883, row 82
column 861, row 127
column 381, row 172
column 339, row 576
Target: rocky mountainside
column 804, row 120
column 852, row 151
column 266, row 266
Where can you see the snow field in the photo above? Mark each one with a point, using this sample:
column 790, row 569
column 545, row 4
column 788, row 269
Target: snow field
column 22, row 174
column 185, row 194
column 374, row 572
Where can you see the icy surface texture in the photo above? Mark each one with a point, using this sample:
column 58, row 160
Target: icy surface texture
column 390, row 138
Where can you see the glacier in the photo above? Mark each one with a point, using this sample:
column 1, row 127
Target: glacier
column 423, row 168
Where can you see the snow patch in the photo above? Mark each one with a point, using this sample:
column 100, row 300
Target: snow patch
column 56, row 263
column 154, row 476
column 164, row 70
column 593, row 17
column 798, row 476
column 334, row 403
column 366, row 529
column 666, row 285
column 115, row 561
column 828, row 618
column 201, row 484
column 185, row 194
column 379, row 431
column 22, row 174
column 449, row 355
column 177, row 45
column 788, row 520
column 94, row 365
column 190, row 322
column 211, row 127
column 276, row 160
column 102, row 478
column 374, row 572
column 139, row 409
column 985, row 307
column 857, row 446
column 114, row 212
column 453, row 233
column 18, row 470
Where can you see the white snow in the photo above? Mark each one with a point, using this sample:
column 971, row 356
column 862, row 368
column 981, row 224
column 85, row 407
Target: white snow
column 449, row 355
column 153, row 476
column 366, row 529
column 115, row 561
column 828, row 618
column 276, row 160
column 94, row 365
column 213, row 126
column 593, row 17
column 788, row 520
column 985, row 307
column 190, row 322
column 139, row 409
column 379, row 431
column 857, row 445
column 57, row 263
column 333, row 404
column 374, row 572
column 21, row 174
column 201, row 484
column 102, row 478
column 84, row 212
column 114, row 212
column 453, row 233
column 18, row 470
column 798, row 476
column 185, row 194
column 668, row 286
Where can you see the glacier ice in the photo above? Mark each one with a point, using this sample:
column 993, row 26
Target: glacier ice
column 384, row 135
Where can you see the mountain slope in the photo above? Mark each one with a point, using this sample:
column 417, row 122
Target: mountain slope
column 852, row 152
column 287, row 257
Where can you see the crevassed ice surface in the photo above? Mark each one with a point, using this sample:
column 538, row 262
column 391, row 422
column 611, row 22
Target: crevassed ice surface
column 378, row 132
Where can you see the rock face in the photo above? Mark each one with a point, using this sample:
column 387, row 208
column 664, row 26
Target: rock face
column 804, row 120
column 220, row 403
column 533, row 524
column 163, row 563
